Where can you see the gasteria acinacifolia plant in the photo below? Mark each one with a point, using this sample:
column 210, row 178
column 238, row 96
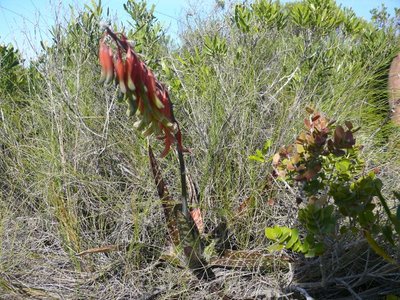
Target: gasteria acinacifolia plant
column 149, row 100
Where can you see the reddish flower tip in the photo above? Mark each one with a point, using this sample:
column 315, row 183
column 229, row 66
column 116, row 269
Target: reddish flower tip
column 106, row 62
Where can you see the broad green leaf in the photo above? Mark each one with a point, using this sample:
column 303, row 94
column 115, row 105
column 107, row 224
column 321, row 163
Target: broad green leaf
column 296, row 247
column 271, row 233
column 304, row 248
column 267, row 145
column 275, row 247
column 343, row 165
column 257, row 158
column 293, row 239
column 299, row 148
column 286, row 232
column 310, row 253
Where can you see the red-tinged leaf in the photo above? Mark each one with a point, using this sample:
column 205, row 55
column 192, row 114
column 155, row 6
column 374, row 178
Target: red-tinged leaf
column 275, row 159
column 316, row 117
column 301, row 138
column 338, row 135
column 198, row 219
column 290, row 166
column 324, row 130
column 310, row 174
column 310, row 139
column 300, row 178
column 301, row 168
column 320, row 139
column 349, row 125
column 376, row 170
column 349, row 139
column 283, row 152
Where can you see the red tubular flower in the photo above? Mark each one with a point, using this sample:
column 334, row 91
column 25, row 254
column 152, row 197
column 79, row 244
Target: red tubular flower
column 130, row 64
column 150, row 82
column 106, row 62
column 141, row 70
column 120, row 70
column 168, row 141
column 167, row 110
column 136, row 76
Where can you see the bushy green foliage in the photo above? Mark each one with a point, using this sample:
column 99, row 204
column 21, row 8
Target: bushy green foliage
column 146, row 32
column 324, row 165
column 13, row 76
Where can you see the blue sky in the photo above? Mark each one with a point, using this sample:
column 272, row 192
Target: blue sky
column 25, row 22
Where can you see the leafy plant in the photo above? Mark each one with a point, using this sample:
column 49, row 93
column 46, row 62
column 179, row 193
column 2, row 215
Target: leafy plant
column 242, row 17
column 269, row 13
column 215, row 46
column 147, row 32
column 13, row 76
column 148, row 99
column 324, row 165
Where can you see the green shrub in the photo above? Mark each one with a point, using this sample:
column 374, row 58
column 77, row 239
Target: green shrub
column 325, row 167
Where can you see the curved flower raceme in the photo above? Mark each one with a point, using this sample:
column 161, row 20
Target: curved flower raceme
column 144, row 94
